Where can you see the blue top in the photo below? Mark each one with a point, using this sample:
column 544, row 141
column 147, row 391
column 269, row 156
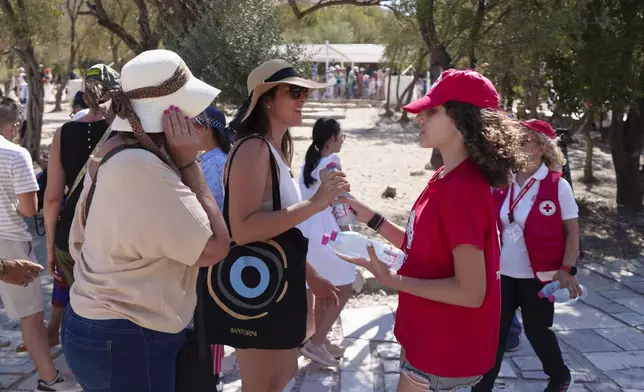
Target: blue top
column 212, row 164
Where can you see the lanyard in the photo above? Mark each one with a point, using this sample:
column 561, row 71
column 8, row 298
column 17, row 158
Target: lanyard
column 513, row 202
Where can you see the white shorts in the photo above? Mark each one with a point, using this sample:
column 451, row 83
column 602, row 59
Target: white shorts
column 20, row 302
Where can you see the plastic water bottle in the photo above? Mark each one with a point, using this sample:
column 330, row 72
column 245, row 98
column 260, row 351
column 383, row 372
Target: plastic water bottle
column 554, row 293
column 352, row 244
column 548, row 289
column 343, row 214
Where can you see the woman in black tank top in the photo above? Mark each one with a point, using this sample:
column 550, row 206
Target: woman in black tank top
column 72, row 145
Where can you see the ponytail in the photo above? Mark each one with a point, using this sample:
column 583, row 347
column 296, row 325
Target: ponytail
column 313, row 156
column 222, row 139
column 323, row 130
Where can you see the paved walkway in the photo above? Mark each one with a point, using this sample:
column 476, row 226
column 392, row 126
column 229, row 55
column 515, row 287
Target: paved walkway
column 602, row 339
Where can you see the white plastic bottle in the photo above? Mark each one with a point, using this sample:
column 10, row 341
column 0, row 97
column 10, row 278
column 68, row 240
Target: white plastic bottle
column 554, row 293
column 548, row 289
column 563, row 295
column 341, row 211
column 352, row 244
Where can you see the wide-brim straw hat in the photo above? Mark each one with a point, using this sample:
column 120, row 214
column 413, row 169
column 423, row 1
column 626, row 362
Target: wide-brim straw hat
column 152, row 68
column 271, row 74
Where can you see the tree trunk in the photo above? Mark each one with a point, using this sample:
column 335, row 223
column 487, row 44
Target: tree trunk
column 532, row 96
column 625, row 146
column 388, row 112
column 588, row 164
column 439, row 61
column 409, row 92
column 35, row 107
column 59, row 92
column 397, row 90
column 474, row 34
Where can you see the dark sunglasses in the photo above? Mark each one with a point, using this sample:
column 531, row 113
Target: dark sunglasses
column 297, row 91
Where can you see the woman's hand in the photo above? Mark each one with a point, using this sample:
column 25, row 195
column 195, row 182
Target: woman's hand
column 331, row 186
column 52, row 262
column 363, row 212
column 569, row 282
column 326, row 294
column 379, row 269
column 180, row 137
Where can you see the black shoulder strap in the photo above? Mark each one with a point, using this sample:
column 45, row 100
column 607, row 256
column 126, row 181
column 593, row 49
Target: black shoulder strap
column 277, row 202
column 200, row 319
column 106, row 157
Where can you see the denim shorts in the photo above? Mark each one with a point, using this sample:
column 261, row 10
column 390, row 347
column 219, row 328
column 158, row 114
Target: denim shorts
column 119, row 355
column 429, row 382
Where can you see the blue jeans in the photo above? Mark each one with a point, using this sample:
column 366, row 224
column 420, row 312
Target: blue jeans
column 118, row 355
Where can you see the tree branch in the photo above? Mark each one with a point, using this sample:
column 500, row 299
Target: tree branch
column 97, row 10
column 327, row 3
column 498, row 20
column 148, row 38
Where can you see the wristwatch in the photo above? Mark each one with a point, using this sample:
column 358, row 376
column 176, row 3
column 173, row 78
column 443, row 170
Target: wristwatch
column 571, row 269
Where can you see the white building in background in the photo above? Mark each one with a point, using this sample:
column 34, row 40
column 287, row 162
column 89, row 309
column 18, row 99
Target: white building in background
column 346, row 55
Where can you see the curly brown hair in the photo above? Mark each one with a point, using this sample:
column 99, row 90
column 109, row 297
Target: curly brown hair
column 492, row 140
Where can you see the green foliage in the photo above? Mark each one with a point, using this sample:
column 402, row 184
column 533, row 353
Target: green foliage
column 338, row 25
column 404, row 46
column 604, row 65
column 33, row 20
column 227, row 43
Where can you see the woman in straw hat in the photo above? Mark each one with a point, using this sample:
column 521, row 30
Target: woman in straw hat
column 144, row 224
column 276, row 95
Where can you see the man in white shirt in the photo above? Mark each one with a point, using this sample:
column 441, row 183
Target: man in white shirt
column 18, row 199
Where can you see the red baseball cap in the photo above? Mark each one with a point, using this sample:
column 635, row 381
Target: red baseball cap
column 466, row 86
column 540, row 127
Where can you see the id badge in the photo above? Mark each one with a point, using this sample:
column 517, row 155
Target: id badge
column 514, row 232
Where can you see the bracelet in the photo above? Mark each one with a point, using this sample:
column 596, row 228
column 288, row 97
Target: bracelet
column 2, row 270
column 375, row 221
column 190, row 164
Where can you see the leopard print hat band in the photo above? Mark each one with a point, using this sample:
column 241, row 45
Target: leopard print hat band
column 121, row 106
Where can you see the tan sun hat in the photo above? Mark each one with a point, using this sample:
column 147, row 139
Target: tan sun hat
column 269, row 75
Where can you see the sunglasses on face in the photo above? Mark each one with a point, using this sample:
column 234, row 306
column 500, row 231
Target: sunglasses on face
column 296, row 91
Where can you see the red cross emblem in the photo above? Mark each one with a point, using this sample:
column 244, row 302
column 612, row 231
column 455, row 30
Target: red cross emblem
column 547, row 208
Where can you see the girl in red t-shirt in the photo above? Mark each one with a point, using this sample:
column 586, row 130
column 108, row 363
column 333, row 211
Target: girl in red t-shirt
column 449, row 292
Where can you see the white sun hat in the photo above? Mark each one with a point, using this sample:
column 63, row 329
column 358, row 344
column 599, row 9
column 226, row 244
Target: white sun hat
column 155, row 68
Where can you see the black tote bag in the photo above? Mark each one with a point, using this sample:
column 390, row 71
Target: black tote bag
column 256, row 296
column 194, row 371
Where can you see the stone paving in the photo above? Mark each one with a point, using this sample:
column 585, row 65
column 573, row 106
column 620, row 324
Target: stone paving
column 602, row 338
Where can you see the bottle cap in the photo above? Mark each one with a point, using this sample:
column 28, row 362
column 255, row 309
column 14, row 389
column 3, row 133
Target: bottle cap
column 325, row 239
column 331, row 166
column 334, row 235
